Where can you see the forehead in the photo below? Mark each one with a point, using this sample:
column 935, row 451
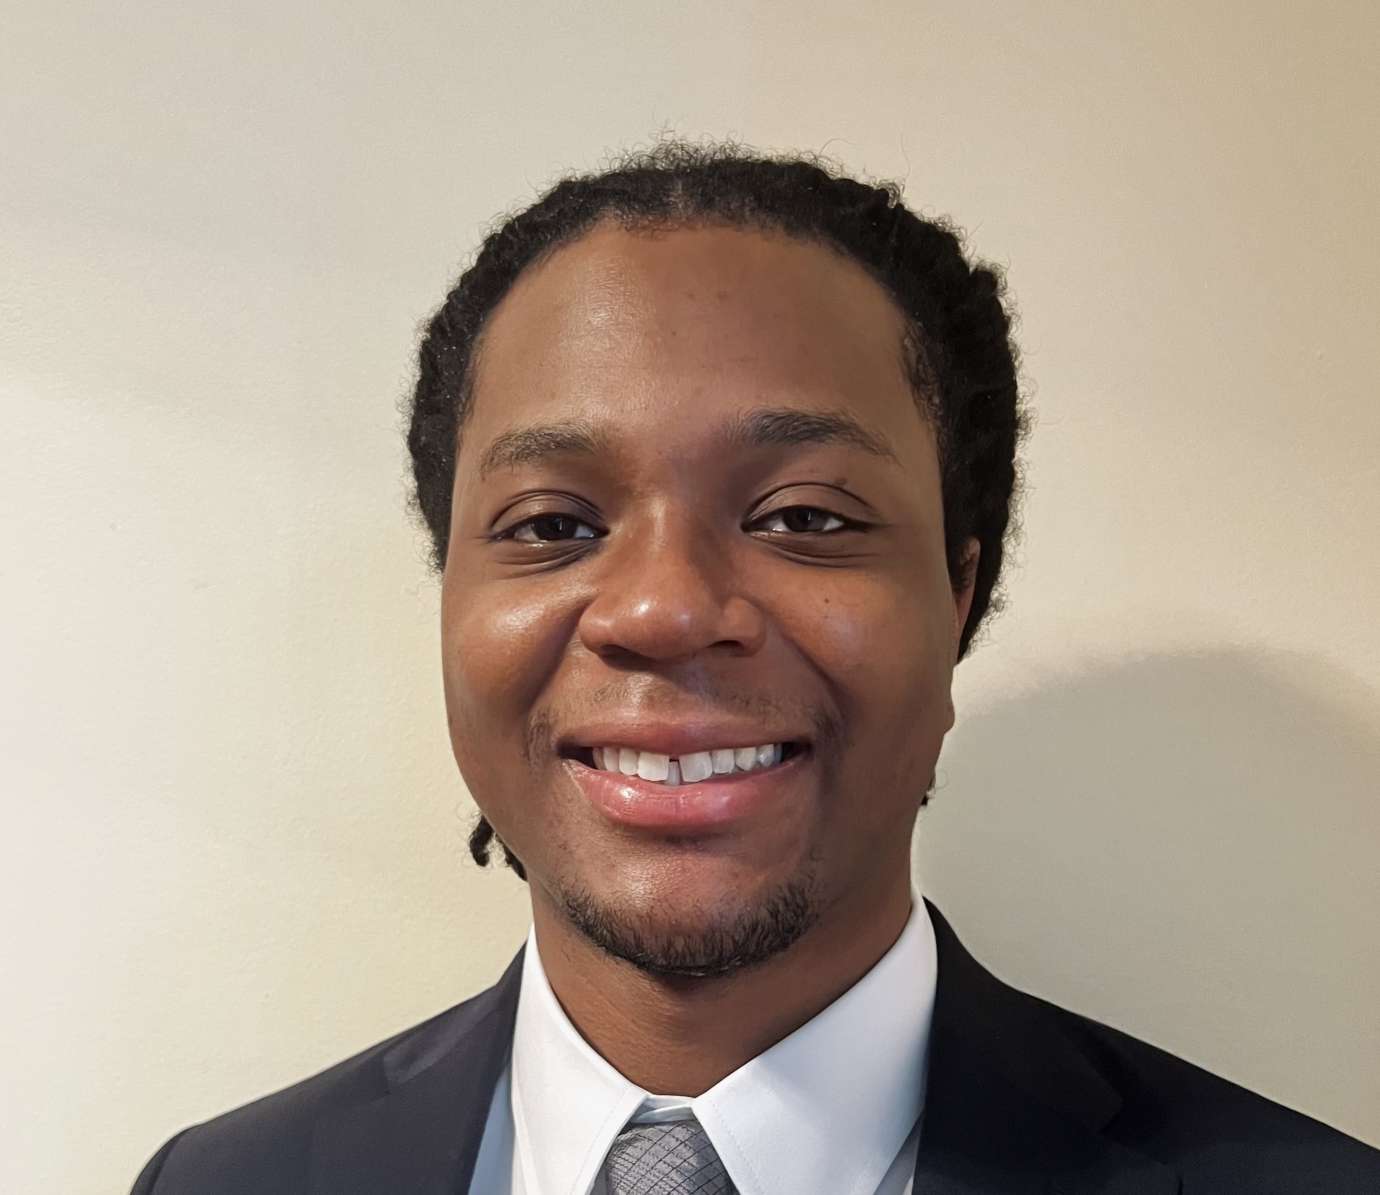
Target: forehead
column 686, row 324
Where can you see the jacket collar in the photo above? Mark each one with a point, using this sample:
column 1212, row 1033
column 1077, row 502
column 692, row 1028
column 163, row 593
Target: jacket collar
column 1013, row 1103
column 421, row 1135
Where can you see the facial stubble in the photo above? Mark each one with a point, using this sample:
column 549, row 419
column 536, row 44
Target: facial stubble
column 746, row 937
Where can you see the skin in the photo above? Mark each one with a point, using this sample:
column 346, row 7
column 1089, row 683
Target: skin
column 675, row 590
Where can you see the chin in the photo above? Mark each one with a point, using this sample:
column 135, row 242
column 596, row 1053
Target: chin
column 687, row 934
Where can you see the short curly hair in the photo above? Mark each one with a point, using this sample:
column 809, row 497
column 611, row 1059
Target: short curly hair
column 957, row 348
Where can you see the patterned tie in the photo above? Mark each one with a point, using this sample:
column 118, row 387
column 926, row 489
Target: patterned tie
column 673, row 1158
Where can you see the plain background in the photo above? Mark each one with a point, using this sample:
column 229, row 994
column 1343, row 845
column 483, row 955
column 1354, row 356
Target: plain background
column 233, row 846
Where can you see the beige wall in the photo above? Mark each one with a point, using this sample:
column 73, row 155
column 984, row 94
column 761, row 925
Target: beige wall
column 233, row 835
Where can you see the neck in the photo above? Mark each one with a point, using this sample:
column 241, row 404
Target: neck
column 681, row 1036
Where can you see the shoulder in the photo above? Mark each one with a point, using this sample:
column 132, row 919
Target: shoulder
column 265, row 1146
column 1221, row 1136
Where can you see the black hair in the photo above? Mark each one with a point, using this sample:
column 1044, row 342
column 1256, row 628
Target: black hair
column 957, row 349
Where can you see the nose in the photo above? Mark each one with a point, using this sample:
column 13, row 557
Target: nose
column 668, row 595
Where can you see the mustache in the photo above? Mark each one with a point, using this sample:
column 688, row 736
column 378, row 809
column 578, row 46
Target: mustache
column 672, row 702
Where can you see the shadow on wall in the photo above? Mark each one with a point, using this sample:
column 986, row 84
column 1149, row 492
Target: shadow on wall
column 1186, row 847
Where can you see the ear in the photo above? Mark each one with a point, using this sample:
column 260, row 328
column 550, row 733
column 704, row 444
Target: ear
column 963, row 595
column 963, row 602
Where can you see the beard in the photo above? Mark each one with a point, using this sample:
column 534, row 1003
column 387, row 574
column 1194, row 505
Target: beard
column 747, row 937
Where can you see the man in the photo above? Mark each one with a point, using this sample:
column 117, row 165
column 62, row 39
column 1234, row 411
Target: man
column 718, row 456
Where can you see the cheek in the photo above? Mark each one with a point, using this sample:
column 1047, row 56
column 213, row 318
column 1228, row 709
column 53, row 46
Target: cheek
column 500, row 646
column 865, row 634
column 884, row 648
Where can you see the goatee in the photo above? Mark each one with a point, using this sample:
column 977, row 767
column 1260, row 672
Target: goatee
column 747, row 938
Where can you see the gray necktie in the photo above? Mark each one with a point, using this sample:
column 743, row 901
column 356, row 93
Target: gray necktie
column 665, row 1159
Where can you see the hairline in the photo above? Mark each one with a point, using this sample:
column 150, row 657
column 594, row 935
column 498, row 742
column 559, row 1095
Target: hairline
column 912, row 341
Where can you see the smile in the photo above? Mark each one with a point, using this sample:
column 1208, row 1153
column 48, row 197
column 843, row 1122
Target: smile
column 689, row 767
column 631, row 795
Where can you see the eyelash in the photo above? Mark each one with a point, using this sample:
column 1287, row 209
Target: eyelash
column 511, row 533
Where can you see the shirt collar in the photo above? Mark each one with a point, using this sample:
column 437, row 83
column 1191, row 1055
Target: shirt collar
column 826, row 1108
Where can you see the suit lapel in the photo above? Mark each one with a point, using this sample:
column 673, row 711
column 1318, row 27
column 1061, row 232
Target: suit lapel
column 1012, row 1104
column 422, row 1134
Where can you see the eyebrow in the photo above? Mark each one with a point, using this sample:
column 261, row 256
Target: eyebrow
column 764, row 427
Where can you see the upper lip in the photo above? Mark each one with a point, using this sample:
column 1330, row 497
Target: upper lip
column 675, row 738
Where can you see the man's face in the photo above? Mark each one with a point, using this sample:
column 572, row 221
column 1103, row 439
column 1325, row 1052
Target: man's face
column 696, row 508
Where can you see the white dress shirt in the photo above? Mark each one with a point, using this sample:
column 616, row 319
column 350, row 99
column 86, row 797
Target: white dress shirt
column 832, row 1108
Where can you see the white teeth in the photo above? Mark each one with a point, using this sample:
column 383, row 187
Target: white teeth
column 690, row 768
column 697, row 766
column 651, row 766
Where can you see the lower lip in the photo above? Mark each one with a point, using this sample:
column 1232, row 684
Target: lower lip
column 717, row 802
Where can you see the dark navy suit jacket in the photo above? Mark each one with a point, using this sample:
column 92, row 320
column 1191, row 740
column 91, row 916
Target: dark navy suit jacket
column 1022, row 1097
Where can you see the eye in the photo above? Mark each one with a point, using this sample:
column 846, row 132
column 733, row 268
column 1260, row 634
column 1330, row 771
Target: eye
column 802, row 520
column 541, row 529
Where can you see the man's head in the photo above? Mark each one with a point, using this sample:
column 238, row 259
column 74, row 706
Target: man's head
column 716, row 451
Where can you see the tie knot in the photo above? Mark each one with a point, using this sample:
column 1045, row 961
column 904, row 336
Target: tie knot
column 675, row 1158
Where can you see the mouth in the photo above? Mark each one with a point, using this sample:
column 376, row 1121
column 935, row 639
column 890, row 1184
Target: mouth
column 686, row 768
column 693, row 792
